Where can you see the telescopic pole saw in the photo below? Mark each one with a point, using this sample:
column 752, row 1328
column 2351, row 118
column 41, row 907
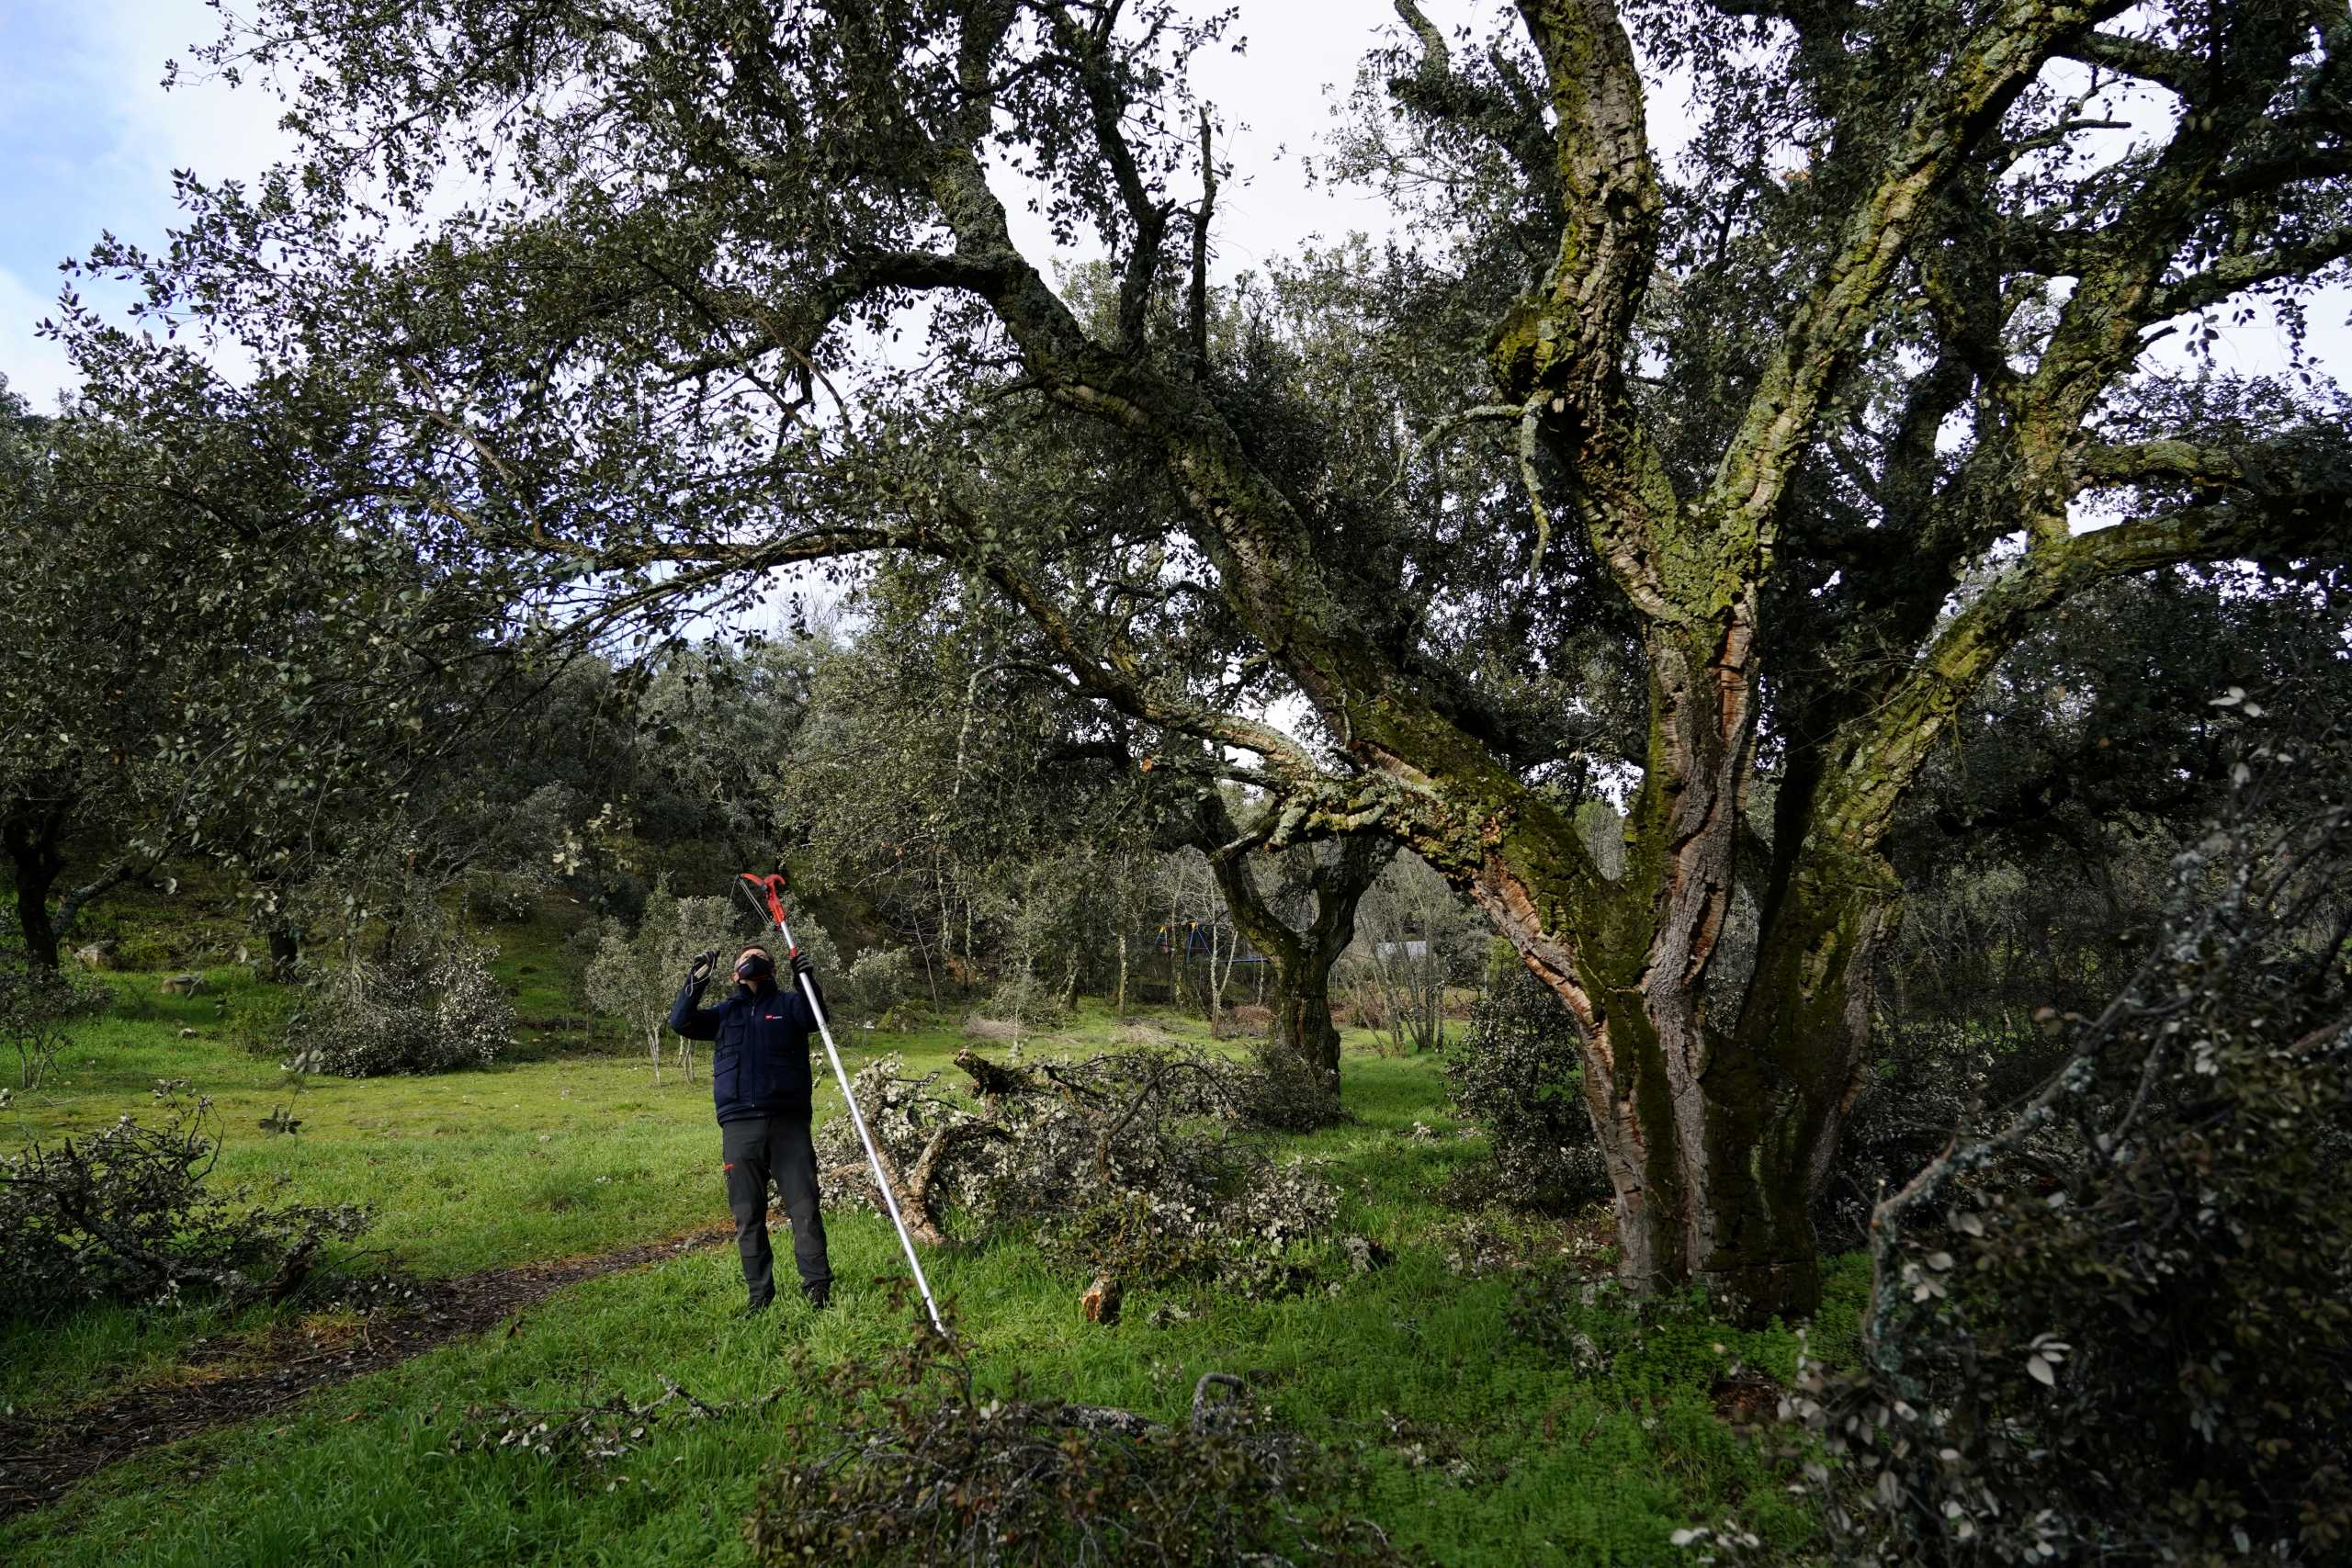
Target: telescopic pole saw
column 773, row 886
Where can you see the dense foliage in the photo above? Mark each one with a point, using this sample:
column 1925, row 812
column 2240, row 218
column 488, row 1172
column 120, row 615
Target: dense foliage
column 2114, row 1324
column 1515, row 1074
column 205, row 652
column 1928, row 1078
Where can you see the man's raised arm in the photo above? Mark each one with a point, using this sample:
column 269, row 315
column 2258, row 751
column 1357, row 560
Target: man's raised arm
column 695, row 1023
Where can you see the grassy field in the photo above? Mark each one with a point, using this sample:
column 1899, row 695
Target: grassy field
column 1481, row 1447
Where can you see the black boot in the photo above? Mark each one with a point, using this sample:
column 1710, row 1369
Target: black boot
column 821, row 1294
column 753, row 1309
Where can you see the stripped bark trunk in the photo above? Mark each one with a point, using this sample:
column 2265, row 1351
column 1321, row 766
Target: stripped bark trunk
column 36, row 854
column 1717, row 1131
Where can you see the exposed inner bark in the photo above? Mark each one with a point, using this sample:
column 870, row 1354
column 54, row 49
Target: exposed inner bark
column 1715, row 1130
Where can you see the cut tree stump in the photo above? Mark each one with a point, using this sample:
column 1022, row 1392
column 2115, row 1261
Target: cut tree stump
column 1101, row 1301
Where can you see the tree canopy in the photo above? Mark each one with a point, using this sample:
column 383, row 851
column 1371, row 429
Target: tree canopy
column 1605, row 473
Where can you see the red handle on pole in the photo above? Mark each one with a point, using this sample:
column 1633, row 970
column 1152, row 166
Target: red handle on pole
column 774, row 885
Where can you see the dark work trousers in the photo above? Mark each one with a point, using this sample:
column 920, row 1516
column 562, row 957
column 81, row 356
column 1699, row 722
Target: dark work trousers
column 758, row 1150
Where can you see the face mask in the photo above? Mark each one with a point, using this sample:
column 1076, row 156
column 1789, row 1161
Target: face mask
column 755, row 969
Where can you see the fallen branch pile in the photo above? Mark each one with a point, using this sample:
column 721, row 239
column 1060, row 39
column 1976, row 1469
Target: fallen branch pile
column 920, row 1467
column 128, row 1214
column 1136, row 1163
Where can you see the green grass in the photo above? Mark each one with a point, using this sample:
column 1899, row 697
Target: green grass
column 572, row 1153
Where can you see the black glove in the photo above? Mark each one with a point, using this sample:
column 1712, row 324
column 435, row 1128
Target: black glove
column 800, row 965
column 702, row 966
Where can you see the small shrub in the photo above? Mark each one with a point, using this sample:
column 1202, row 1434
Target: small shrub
column 1026, row 1001
column 37, row 1008
column 1516, row 1074
column 125, row 1214
column 634, row 976
column 878, row 982
column 427, row 1004
column 925, row 1470
column 1291, row 1092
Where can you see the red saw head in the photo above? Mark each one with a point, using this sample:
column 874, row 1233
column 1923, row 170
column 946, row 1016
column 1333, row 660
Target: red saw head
column 773, row 884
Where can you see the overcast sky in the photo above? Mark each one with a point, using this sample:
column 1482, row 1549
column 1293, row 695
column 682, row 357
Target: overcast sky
column 89, row 139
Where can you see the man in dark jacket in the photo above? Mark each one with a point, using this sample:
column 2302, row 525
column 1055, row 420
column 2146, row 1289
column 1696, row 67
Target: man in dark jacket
column 759, row 1076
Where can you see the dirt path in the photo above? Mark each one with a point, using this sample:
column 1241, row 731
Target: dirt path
column 42, row 1456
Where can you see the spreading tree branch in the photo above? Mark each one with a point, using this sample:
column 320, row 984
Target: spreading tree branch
column 1881, row 753
column 2182, row 73
column 2250, row 268
column 1955, row 113
column 1089, row 47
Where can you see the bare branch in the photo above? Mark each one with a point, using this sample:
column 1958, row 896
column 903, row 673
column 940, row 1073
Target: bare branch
column 2237, row 272
column 797, row 326
column 1777, row 428
column 2167, row 67
column 1447, row 426
column 2122, row 464
column 2262, row 174
column 1087, row 48
column 1438, row 90
column 1197, row 306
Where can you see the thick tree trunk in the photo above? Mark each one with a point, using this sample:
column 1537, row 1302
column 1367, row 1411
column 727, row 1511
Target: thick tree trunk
column 37, row 857
column 285, row 952
column 1299, row 963
column 1718, row 1137
column 1302, row 1029
column 32, row 919
column 1717, row 1131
